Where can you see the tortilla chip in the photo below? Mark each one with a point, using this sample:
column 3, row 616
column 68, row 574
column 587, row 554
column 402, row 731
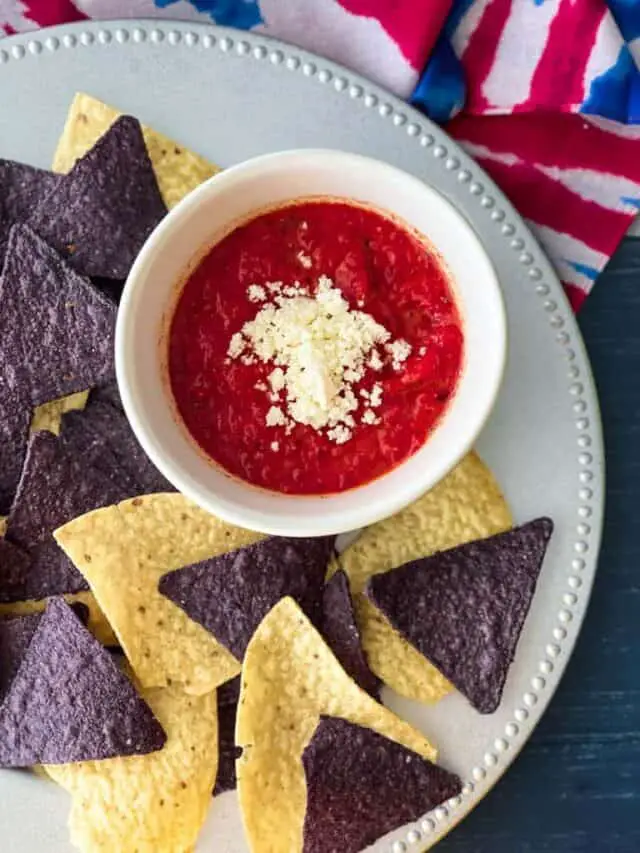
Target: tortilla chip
column 289, row 678
column 178, row 170
column 101, row 436
column 15, row 635
column 15, row 564
column 229, row 595
column 154, row 803
column 55, row 488
column 464, row 608
column 340, row 630
column 102, row 211
column 21, row 189
column 46, row 354
column 15, row 414
column 362, row 785
column 466, row 505
column 96, row 622
column 111, row 287
column 70, row 702
column 49, row 415
column 123, row 551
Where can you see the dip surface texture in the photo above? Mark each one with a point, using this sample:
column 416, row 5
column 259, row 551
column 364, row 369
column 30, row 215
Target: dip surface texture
column 381, row 285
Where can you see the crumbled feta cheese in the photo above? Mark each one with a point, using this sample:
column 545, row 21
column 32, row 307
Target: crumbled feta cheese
column 370, row 417
column 375, row 397
column 340, row 434
column 319, row 349
column 399, row 351
column 304, row 260
column 277, row 379
column 256, row 293
column 275, row 446
column 236, row 345
column 375, row 362
column 422, row 350
column 275, row 417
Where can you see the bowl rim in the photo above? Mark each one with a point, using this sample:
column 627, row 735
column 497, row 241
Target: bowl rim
column 270, row 522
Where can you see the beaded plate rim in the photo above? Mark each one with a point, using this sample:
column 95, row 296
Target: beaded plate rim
column 491, row 201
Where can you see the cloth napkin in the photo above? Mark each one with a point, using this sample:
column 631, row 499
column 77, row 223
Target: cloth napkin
column 545, row 94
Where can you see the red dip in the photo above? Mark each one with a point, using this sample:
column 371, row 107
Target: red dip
column 224, row 386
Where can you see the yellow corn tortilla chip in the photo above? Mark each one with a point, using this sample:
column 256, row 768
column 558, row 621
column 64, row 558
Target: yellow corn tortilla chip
column 123, row 551
column 153, row 803
column 98, row 623
column 289, row 678
column 178, row 170
column 48, row 415
column 466, row 505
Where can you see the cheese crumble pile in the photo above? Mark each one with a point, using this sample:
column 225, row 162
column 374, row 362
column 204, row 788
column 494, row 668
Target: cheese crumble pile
column 319, row 349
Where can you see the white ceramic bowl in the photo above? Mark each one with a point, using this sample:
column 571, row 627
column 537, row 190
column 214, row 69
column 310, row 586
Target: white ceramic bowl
column 175, row 247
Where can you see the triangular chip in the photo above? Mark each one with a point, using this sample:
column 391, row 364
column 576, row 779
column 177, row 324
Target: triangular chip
column 14, row 571
column 15, row 416
column 56, row 329
column 466, row 505
column 70, row 702
column 22, row 187
column 341, row 632
column 361, row 785
column 103, row 210
column 15, row 635
column 177, row 169
column 55, row 487
column 230, row 594
column 123, row 551
column 153, row 803
column 289, row 679
column 464, row 609
column 101, row 435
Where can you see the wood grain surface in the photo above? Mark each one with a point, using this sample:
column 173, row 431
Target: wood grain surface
column 576, row 786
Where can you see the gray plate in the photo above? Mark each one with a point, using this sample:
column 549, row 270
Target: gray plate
column 230, row 96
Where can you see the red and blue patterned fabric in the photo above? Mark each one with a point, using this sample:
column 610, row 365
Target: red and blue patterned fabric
column 545, row 94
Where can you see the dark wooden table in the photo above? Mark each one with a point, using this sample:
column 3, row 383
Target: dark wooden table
column 576, row 786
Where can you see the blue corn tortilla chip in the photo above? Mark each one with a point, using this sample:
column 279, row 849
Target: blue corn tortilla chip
column 230, row 594
column 341, row 632
column 56, row 329
column 361, row 785
column 108, row 393
column 464, row 609
column 69, row 701
column 111, row 287
column 16, row 633
column 22, row 188
column 228, row 696
column 15, row 418
column 55, row 487
column 103, row 210
column 228, row 752
column 15, row 565
column 15, row 636
column 101, row 434
column 229, row 692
